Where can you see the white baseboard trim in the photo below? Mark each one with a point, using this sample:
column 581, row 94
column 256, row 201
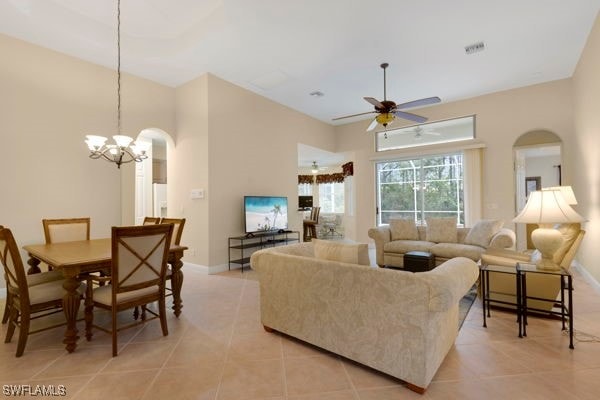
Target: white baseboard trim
column 587, row 276
column 208, row 270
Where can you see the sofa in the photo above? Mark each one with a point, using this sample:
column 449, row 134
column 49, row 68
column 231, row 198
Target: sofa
column 397, row 322
column 460, row 242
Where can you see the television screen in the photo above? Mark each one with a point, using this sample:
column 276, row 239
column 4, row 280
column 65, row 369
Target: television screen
column 265, row 213
column 305, row 201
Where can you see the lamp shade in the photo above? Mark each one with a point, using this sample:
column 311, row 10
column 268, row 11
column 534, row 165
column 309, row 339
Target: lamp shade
column 567, row 193
column 547, row 207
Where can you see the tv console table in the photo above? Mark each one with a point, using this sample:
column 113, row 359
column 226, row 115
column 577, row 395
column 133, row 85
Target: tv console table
column 240, row 245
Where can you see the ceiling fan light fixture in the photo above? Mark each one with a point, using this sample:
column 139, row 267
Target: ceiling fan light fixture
column 385, row 118
column 314, row 168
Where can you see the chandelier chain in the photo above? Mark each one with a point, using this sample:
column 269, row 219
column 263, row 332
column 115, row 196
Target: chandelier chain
column 119, row 66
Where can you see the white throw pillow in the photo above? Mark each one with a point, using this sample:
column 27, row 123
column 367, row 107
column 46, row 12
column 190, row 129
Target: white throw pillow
column 403, row 229
column 353, row 253
column 482, row 233
column 441, row 230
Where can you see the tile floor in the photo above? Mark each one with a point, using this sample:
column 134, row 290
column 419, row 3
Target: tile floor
column 217, row 349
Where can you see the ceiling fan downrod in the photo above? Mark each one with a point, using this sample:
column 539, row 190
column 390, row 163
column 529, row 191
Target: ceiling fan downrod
column 384, row 66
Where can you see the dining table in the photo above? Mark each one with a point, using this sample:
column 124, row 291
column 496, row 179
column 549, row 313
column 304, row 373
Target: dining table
column 80, row 257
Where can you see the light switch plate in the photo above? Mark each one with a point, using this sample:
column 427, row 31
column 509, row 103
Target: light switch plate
column 197, row 194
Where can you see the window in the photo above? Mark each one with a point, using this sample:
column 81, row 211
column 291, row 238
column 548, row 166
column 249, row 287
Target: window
column 331, row 197
column 451, row 130
column 304, row 189
column 422, row 187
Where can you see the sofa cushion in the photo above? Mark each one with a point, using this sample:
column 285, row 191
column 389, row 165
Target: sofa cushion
column 403, row 229
column 404, row 246
column 451, row 250
column 481, row 234
column 441, row 230
column 353, row 253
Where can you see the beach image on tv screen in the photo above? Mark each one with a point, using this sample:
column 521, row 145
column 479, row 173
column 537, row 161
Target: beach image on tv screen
column 265, row 213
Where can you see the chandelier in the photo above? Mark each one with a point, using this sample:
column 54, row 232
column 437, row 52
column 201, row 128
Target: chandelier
column 125, row 150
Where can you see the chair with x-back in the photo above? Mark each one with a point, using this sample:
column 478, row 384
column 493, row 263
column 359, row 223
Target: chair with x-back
column 151, row 221
column 66, row 229
column 27, row 301
column 139, row 266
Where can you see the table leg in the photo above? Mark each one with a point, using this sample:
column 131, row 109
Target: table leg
column 482, row 273
column 570, row 294
column 34, row 265
column 519, row 306
column 177, row 283
column 71, row 301
column 524, row 301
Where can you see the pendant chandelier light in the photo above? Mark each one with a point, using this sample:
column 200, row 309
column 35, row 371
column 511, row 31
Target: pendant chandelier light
column 314, row 168
column 125, row 150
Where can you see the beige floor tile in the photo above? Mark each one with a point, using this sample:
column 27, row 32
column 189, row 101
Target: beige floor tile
column 13, row 369
column 198, row 383
column 342, row 395
column 363, row 377
column 254, row 379
column 294, row 348
column 474, row 389
column 488, row 360
column 454, row 367
column 392, row 393
column 116, row 386
column 83, row 361
column 526, row 387
column 192, row 353
column 139, row 356
column 255, row 346
column 315, row 374
column 584, row 384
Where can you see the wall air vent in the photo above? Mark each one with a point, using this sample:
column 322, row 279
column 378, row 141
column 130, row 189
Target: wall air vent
column 317, row 93
column 474, row 48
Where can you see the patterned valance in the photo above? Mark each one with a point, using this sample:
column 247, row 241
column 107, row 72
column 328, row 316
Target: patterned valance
column 306, row 179
column 330, row 178
column 348, row 169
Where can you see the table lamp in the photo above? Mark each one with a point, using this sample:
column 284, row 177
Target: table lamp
column 567, row 193
column 547, row 207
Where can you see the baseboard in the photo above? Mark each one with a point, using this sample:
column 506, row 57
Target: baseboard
column 586, row 275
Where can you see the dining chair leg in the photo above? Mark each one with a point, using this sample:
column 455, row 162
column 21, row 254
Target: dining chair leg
column 143, row 312
column 23, row 333
column 6, row 308
column 12, row 323
column 136, row 313
column 114, row 332
column 89, row 313
column 162, row 313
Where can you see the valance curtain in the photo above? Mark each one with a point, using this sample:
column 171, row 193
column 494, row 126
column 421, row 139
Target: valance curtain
column 306, row 179
column 330, row 178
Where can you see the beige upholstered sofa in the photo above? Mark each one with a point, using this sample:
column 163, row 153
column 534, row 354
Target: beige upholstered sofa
column 397, row 322
column 391, row 252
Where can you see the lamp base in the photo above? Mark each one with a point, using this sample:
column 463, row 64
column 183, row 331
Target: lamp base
column 547, row 241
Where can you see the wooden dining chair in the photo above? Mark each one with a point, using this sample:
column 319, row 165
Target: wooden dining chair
column 178, row 224
column 66, row 229
column 310, row 225
column 139, row 267
column 151, row 220
column 27, row 301
column 32, row 280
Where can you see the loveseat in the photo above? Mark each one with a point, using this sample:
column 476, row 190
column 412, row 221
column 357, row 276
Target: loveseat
column 390, row 250
column 397, row 322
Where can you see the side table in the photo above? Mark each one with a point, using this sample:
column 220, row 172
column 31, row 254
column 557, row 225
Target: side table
column 484, row 277
column 566, row 309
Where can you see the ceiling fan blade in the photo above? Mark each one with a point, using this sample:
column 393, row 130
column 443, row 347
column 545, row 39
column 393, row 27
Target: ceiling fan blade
column 420, row 102
column 373, row 101
column 354, row 115
column 410, row 116
column 372, row 125
column 432, row 133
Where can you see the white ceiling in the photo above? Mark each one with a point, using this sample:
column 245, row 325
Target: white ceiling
column 286, row 49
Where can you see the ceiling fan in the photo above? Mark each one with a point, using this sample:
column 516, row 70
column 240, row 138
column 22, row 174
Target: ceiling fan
column 387, row 110
column 419, row 132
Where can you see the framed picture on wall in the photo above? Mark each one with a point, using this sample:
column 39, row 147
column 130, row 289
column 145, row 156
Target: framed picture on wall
column 532, row 183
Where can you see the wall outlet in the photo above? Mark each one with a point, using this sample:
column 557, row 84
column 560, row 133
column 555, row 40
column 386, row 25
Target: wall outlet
column 197, row 194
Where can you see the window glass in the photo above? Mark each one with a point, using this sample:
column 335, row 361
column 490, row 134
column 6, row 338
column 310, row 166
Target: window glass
column 331, row 197
column 420, row 188
column 451, row 130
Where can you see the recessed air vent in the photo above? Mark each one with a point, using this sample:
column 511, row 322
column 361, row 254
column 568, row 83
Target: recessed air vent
column 317, row 93
column 474, row 48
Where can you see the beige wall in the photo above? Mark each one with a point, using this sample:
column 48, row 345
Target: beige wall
column 501, row 118
column 253, row 146
column 586, row 148
column 48, row 103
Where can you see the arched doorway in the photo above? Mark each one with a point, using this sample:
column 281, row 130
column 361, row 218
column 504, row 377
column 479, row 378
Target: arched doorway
column 538, row 164
column 151, row 176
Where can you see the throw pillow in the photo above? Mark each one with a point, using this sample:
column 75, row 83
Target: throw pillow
column 403, row 229
column 482, row 233
column 441, row 230
column 353, row 253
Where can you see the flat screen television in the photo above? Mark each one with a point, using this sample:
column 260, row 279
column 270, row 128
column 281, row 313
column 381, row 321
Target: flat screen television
column 305, row 201
column 265, row 213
